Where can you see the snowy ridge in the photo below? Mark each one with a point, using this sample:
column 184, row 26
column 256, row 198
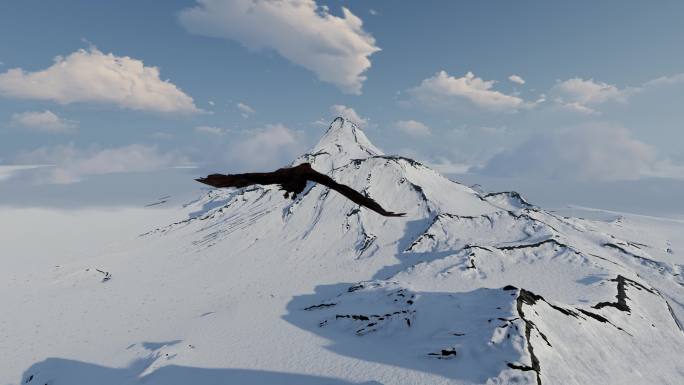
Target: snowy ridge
column 468, row 288
column 341, row 142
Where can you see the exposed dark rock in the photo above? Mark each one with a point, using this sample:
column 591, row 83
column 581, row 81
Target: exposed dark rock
column 444, row 353
column 161, row 202
column 528, row 298
column 368, row 240
column 353, row 316
column 621, row 296
column 593, row 315
column 674, row 317
column 511, row 194
column 106, row 275
column 660, row 266
column 533, row 245
column 523, row 368
column 320, row 306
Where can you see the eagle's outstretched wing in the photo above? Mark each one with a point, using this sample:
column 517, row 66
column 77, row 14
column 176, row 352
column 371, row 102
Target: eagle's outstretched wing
column 293, row 180
column 221, row 180
column 350, row 193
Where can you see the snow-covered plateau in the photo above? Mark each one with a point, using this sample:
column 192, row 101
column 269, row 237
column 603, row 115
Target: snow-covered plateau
column 243, row 286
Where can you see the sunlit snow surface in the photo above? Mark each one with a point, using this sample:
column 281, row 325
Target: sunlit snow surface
column 246, row 287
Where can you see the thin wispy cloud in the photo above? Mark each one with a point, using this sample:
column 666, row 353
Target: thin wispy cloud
column 245, row 110
column 210, row 130
column 43, row 121
column 70, row 164
column 10, row 171
column 276, row 145
column 413, row 128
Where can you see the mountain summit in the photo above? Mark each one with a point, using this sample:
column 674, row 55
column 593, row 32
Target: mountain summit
column 468, row 288
column 342, row 142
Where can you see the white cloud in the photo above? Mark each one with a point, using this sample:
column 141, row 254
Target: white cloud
column 349, row 114
column 72, row 164
column 577, row 107
column 92, row 76
column 211, row 103
column 336, row 49
column 588, row 152
column 584, row 96
column 45, row 121
column 245, row 110
column 666, row 80
column 446, row 166
column 9, row 171
column 211, row 130
column 491, row 130
column 162, row 135
column 320, row 123
column 413, row 128
column 264, row 149
column 516, row 79
column 581, row 95
column 443, row 90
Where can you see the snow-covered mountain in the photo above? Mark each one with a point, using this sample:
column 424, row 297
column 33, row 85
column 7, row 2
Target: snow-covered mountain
column 247, row 287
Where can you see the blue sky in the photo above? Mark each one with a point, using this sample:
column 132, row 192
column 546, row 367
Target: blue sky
column 147, row 85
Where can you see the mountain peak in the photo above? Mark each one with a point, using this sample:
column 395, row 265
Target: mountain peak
column 342, row 142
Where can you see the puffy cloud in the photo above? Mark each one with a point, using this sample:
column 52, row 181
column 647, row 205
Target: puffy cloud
column 516, row 79
column 92, row 76
column 349, row 114
column 413, row 128
column 336, row 49
column 46, row 121
column 443, row 90
column 588, row 152
column 581, row 95
column 71, row 164
column 245, row 109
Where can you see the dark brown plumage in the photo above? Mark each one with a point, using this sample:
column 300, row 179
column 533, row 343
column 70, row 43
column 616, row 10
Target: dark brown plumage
column 293, row 181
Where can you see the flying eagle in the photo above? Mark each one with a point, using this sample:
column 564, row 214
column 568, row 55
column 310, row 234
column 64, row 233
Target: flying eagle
column 293, row 181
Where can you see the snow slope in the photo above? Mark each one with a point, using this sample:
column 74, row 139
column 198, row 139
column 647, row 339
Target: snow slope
column 246, row 287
